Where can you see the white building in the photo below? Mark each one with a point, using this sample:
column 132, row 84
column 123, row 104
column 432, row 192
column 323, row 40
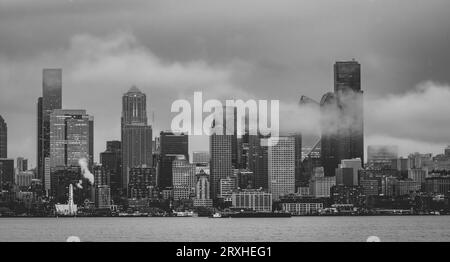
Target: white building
column 256, row 200
column 281, row 166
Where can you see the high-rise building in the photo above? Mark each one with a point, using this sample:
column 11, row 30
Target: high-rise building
column 202, row 191
column 171, row 146
column 281, row 166
column 51, row 99
column 136, row 133
column 320, row 185
column 221, row 166
column 199, row 157
column 7, row 173
column 111, row 160
column 330, row 122
column 258, row 161
column 142, row 181
column 69, row 142
column 24, row 179
column 22, row 164
column 342, row 118
column 227, row 186
column 347, row 87
column 70, row 137
column 3, row 138
column 184, row 178
column 298, row 160
column 381, row 153
column 102, row 196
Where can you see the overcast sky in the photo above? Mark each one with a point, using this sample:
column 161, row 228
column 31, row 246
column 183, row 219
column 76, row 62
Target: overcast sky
column 228, row 49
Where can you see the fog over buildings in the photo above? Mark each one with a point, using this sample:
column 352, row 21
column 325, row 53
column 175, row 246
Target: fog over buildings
column 229, row 50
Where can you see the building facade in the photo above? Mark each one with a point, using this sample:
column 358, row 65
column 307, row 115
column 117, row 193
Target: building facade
column 136, row 134
column 3, row 138
column 281, row 166
column 252, row 199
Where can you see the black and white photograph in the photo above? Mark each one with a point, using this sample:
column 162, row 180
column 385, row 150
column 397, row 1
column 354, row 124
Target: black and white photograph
column 224, row 121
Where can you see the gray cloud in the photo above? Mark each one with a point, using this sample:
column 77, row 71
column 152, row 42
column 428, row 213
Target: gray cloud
column 258, row 48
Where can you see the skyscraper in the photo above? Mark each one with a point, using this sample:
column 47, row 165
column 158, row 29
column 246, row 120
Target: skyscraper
column 171, row 146
column 258, row 160
column 136, row 133
column 221, row 160
column 184, row 178
column 111, row 160
column 330, row 113
column 51, row 99
column 69, row 142
column 70, row 137
column 22, row 164
column 3, row 138
column 342, row 118
column 202, row 191
column 347, row 87
column 281, row 156
column 200, row 157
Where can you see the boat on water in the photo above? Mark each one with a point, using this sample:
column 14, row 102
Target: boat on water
column 251, row 215
column 216, row 215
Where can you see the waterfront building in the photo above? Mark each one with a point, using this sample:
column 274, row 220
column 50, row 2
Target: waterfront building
column 299, row 205
column 252, row 199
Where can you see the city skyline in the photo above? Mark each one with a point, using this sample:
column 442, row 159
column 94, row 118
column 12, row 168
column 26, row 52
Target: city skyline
column 405, row 85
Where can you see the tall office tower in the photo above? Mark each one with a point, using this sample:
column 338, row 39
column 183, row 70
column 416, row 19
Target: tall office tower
column 142, row 181
column 258, row 161
column 184, row 178
column 202, row 191
column 330, row 123
column 199, row 157
column 347, row 87
column 342, row 117
column 221, row 160
column 69, row 137
column 136, row 133
column 298, row 160
column 3, row 138
column 51, row 99
column 7, row 174
column 22, row 164
column 69, row 142
column 171, row 146
column 102, row 189
column 281, row 166
column 111, row 160
column 102, row 176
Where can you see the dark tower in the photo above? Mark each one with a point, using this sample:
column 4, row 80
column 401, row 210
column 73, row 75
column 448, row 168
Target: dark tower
column 3, row 138
column 136, row 134
column 51, row 99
